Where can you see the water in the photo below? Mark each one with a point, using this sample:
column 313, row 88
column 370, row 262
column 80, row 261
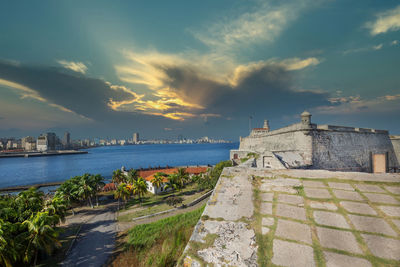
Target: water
column 104, row 160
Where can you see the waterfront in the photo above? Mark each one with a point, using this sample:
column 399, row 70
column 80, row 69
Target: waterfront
column 103, row 160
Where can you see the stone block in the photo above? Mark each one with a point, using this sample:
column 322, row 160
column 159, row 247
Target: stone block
column 294, row 230
column 331, row 219
column 383, row 247
column 266, row 208
column 267, row 221
column 323, row 205
column 357, row 207
column 317, row 193
column 341, row 194
column 370, row 188
column 381, row 198
column 265, row 230
column 292, row 254
column 342, row 186
column 397, row 223
column 291, row 199
column 393, row 189
column 284, row 210
column 338, row 239
column 393, row 211
column 267, row 196
column 307, row 183
column 338, row 260
column 371, row 224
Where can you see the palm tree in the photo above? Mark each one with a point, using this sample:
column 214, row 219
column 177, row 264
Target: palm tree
column 183, row 175
column 139, row 188
column 97, row 183
column 174, row 182
column 158, row 180
column 122, row 192
column 118, row 176
column 8, row 254
column 57, row 208
column 133, row 175
column 28, row 202
column 41, row 236
column 85, row 189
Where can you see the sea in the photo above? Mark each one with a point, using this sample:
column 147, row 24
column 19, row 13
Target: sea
column 104, row 160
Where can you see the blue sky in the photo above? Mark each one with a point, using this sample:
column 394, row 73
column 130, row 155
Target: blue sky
column 165, row 68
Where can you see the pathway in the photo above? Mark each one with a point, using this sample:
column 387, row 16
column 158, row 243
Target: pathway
column 96, row 239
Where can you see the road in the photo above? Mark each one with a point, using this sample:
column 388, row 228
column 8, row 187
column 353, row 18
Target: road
column 96, row 240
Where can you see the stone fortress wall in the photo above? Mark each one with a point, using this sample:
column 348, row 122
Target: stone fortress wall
column 308, row 145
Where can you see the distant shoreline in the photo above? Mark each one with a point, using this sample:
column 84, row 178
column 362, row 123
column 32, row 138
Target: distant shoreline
column 25, row 187
column 40, row 154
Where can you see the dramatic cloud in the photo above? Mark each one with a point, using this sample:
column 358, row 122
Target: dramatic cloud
column 88, row 97
column 194, row 91
column 75, row 66
column 385, row 21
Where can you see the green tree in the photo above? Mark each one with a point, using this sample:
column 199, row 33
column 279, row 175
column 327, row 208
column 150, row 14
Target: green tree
column 28, row 202
column 158, row 180
column 123, row 193
column 133, row 175
column 8, row 254
column 97, row 182
column 40, row 235
column 183, row 175
column 174, row 182
column 140, row 188
column 118, row 177
column 85, row 189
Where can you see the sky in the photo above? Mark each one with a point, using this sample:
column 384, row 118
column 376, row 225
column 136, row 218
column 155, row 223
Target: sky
column 101, row 68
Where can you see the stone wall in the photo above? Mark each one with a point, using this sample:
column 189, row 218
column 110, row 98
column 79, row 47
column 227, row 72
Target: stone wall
column 294, row 138
column 396, row 146
column 345, row 148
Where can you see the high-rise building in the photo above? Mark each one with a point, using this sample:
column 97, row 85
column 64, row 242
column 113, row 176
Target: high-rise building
column 42, row 143
column 52, row 141
column 66, row 140
column 28, row 143
column 135, row 138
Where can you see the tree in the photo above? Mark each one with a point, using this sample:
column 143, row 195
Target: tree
column 183, row 175
column 133, row 175
column 174, row 182
column 140, row 188
column 97, row 182
column 174, row 200
column 158, row 180
column 56, row 208
column 8, row 254
column 28, row 202
column 85, row 189
column 41, row 236
column 122, row 192
column 118, row 177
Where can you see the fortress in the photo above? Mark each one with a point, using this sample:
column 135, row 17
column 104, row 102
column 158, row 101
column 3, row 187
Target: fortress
column 310, row 146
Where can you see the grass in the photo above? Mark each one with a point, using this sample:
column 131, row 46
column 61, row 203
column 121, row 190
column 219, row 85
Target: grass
column 156, row 203
column 160, row 243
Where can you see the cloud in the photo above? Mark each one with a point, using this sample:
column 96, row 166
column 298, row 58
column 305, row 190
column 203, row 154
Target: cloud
column 226, row 91
column 88, row 97
column 264, row 22
column 357, row 105
column 364, row 49
column 75, row 66
column 385, row 21
column 394, row 42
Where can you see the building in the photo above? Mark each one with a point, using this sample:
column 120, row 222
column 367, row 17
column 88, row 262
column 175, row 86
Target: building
column 42, row 143
column 308, row 145
column 135, row 139
column 51, row 141
column 28, row 143
column 66, row 142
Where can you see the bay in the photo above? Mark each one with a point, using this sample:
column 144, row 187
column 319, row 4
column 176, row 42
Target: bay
column 104, row 160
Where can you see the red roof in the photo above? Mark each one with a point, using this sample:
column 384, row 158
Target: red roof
column 189, row 170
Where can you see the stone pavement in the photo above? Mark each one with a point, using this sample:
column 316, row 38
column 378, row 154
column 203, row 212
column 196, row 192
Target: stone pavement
column 258, row 217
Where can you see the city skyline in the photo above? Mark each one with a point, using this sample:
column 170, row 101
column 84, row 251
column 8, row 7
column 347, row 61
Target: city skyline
column 196, row 69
